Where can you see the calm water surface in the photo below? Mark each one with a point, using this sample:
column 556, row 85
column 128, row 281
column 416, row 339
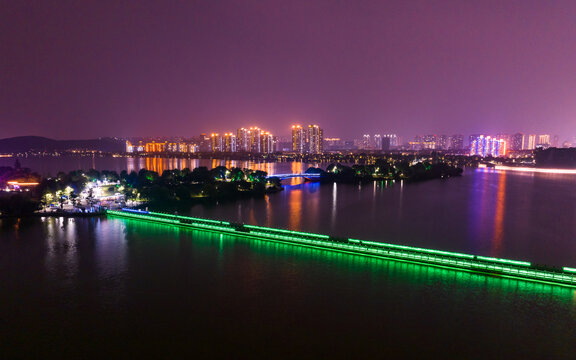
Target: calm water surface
column 99, row 288
column 50, row 166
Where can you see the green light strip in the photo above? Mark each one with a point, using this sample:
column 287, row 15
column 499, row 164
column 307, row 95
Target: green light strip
column 439, row 252
column 169, row 221
column 189, row 218
column 443, row 266
column 504, row 261
column 287, row 231
column 492, row 266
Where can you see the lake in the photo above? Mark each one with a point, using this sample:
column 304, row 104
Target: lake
column 100, row 288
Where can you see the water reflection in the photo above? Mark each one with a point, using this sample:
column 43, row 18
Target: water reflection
column 481, row 209
column 295, row 208
column 149, row 241
column 159, row 164
column 499, row 216
column 296, row 168
column 61, row 259
column 334, row 205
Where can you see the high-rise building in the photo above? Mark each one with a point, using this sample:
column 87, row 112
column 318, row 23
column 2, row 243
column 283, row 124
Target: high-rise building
column 216, row 142
column 254, row 139
column 543, row 141
column 471, row 138
column 385, row 144
column 393, row 140
column 488, row 146
column 229, row 142
column 154, row 146
column 251, row 139
column 456, row 142
column 204, row 143
column 298, row 139
column 315, row 139
column 366, row 143
column 135, row 148
column 307, row 140
column 242, row 139
column 529, row 142
column 442, row 142
column 429, row 142
column 377, row 141
column 517, row 141
column 505, row 137
column 267, row 142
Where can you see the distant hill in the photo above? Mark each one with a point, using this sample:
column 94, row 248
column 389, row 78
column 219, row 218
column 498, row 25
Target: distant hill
column 38, row 143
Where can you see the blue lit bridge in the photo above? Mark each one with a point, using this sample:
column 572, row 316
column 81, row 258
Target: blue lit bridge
column 523, row 270
column 296, row 175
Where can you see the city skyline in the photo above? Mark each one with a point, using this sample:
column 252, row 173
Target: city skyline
column 479, row 67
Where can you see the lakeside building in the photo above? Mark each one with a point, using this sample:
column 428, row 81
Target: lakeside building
column 242, row 140
column 245, row 140
column 253, row 140
column 216, row 142
column 390, row 141
column 529, row 142
column 229, row 142
column 488, row 146
column 543, row 141
column 426, row 142
column 377, row 142
column 517, row 142
column 309, row 140
column 160, row 147
column 456, row 142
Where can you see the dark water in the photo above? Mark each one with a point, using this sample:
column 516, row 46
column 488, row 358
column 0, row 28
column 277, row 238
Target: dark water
column 101, row 288
column 50, row 165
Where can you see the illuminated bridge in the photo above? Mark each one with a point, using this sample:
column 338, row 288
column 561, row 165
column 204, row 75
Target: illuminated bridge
column 297, row 175
column 564, row 276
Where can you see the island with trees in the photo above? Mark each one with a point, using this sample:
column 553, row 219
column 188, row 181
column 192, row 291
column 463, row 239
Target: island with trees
column 386, row 169
column 86, row 193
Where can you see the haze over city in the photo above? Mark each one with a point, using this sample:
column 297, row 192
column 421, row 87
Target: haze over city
column 287, row 179
column 106, row 68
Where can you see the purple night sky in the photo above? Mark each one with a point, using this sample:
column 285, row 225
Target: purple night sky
column 84, row 69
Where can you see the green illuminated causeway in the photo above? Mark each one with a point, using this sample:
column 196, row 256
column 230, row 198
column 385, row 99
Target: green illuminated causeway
column 481, row 264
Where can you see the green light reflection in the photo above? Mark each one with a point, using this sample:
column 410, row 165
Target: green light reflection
column 461, row 262
column 396, row 270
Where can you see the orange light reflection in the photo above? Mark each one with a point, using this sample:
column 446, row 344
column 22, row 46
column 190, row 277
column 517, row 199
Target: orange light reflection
column 499, row 216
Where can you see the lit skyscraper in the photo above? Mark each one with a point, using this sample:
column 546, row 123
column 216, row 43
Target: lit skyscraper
column 254, row 140
column 517, row 141
column 488, row 146
column 457, row 142
column 242, row 142
column 229, row 142
column 267, row 143
column 366, row 143
column 385, row 146
column 315, row 139
column 309, row 140
column 216, row 142
column 543, row 141
column 377, row 141
column 429, row 141
column 393, row 139
column 442, row 142
column 529, row 142
column 298, row 139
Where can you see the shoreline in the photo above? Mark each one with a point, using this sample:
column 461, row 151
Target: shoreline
column 54, row 214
